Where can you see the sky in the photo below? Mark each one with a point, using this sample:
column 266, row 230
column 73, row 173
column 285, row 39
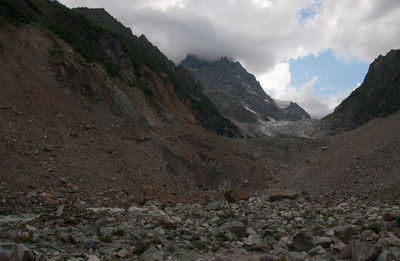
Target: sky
column 313, row 52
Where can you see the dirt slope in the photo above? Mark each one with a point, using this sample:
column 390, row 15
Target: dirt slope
column 364, row 162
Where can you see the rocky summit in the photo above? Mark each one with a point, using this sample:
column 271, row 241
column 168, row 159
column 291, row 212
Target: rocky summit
column 237, row 94
column 302, row 228
column 378, row 96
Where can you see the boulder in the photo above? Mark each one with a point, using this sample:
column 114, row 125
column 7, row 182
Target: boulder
column 93, row 258
column 283, row 194
column 235, row 227
column 234, row 195
column 303, row 241
column 369, row 236
column 345, row 232
column 152, row 254
column 15, row 252
column 363, row 251
column 319, row 250
column 388, row 217
column 389, row 255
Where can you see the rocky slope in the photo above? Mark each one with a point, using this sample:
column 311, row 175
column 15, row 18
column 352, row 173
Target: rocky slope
column 301, row 229
column 378, row 96
column 237, row 94
column 363, row 162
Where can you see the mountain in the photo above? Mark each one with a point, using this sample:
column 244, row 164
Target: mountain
column 119, row 51
column 378, row 96
column 109, row 151
column 95, row 107
column 237, row 94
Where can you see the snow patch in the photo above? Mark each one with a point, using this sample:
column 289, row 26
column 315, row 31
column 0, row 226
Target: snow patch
column 250, row 110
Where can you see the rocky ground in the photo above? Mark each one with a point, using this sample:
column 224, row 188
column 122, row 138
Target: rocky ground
column 263, row 228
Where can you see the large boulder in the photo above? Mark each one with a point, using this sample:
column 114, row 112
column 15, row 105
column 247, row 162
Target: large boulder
column 152, row 254
column 303, row 241
column 234, row 195
column 363, row 251
column 283, row 194
column 15, row 252
column 235, row 227
column 345, row 232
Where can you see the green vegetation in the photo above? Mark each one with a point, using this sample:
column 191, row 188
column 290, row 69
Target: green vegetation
column 171, row 248
column 221, row 237
column 104, row 238
column 199, row 245
column 376, row 227
column 118, row 233
column 141, row 247
column 273, row 234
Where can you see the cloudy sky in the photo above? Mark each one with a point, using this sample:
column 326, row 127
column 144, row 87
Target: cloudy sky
column 314, row 52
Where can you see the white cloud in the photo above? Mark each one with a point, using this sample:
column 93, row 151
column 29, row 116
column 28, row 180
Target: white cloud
column 263, row 34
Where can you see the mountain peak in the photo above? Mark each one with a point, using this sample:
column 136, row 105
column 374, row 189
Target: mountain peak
column 237, row 93
column 378, row 96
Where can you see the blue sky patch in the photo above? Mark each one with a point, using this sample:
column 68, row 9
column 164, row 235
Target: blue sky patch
column 334, row 76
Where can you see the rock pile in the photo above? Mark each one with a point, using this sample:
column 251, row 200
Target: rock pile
column 258, row 229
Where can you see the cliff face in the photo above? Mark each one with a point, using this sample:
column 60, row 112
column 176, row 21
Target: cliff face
column 378, row 96
column 237, row 94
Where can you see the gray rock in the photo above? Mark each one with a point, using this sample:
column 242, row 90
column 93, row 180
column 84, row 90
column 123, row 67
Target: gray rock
column 91, row 229
column 235, row 227
column 15, row 252
column 342, row 251
column 252, row 240
column 152, row 254
column 387, row 255
column 303, row 241
column 295, row 256
column 319, row 250
column 123, row 253
column 363, row 251
column 369, row 236
column 60, row 211
column 345, row 232
column 93, row 258
column 324, row 241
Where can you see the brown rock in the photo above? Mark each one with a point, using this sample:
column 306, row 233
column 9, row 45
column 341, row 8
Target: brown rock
column 388, row 217
column 283, row 194
column 47, row 198
column 234, row 195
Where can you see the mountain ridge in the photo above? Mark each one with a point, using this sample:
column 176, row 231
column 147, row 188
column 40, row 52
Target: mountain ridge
column 378, row 96
column 237, row 93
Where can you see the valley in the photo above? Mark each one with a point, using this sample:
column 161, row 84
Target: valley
column 109, row 151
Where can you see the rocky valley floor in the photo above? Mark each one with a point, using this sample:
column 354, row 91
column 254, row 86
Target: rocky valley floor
column 305, row 228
